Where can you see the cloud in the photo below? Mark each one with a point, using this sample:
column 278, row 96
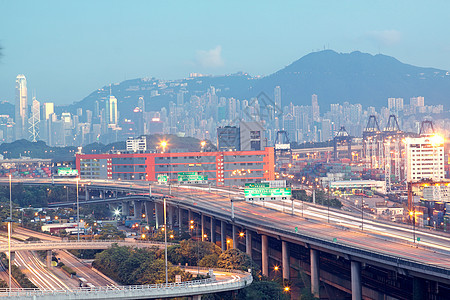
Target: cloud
column 210, row 58
column 384, row 37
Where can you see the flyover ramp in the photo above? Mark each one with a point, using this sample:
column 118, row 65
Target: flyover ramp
column 83, row 244
column 235, row 281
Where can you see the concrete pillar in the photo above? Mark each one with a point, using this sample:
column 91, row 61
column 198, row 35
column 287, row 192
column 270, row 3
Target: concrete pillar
column 125, row 208
column 190, row 216
column 223, row 240
column 213, row 230
column 159, row 215
column 265, row 255
column 86, row 193
column 235, row 241
column 169, row 216
column 101, row 194
column 180, row 220
column 248, row 242
column 49, row 258
column 202, row 221
column 356, row 280
column 149, row 206
column 197, row 297
column 315, row 282
column 285, row 259
column 137, row 209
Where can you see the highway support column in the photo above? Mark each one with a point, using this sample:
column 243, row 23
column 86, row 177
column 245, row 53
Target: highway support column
column 202, row 221
column 137, row 209
column 169, row 216
column 86, row 193
column 235, row 241
column 223, row 242
column 213, row 230
column 248, row 242
column 49, row 258
column 285, row 259
column 125, row 208
column 180, row 220
column 315, row 282
column 356, row 280
column 149, row 206
column 159, row 215
column 265, row 255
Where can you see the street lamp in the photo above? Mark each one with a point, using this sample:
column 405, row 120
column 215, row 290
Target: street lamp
column 412, row 214
column 78, row 213
column 9, row 232
column 165, row 240
column 202, row 144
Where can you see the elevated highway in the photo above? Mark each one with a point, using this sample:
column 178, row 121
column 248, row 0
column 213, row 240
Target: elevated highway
column 233, row 280
column 82, row 244
column 274, row 237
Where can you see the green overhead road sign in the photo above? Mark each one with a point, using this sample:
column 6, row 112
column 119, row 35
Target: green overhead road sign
column 162, row 178
column 296, row 229
column 67, row 172
column 257, row 185
column 191, row 177
column 267, row 192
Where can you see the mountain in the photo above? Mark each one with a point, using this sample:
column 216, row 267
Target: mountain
column 358, row 78
column 335, row 77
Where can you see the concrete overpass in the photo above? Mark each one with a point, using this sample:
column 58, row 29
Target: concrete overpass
column 373, row 262
column 82, row 244
column 236, row 280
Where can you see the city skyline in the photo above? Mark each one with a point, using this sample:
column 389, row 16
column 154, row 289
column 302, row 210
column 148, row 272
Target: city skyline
column 85, row 42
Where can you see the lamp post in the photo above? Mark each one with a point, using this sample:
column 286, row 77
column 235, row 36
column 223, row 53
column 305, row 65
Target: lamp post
column 412, row 214
column 9, row 232
column 328, row 203
column 78, row 213
column 362, row 213
column 192, row 226
column 165, row 241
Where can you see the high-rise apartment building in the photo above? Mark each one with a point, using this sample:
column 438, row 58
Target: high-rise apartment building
column 315, row 107
column 21, row 107
column 277, row 96
column 112, row 110
column 34, row 121
column 425, row 158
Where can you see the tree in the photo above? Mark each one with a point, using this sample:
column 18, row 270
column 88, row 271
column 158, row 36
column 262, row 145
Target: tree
column 236, row 259
column 209, row 261
column 263, row 290
column 190, row 250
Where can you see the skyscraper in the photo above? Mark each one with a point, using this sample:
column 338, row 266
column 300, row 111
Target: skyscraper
column 315, row 107
column 112, row 110
column 277, row 94
column 21, row 106
column 34, row 120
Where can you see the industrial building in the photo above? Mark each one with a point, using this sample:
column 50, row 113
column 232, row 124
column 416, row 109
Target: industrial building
column 229, row 168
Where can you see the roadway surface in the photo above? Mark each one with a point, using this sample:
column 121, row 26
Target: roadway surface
column 390, row 240
column 54, row 278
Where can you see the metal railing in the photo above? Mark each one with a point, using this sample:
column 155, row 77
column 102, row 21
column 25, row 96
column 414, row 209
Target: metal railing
column 39, row 245
column 195, row 287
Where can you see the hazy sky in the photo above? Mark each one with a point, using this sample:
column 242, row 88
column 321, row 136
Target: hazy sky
column 67, row 49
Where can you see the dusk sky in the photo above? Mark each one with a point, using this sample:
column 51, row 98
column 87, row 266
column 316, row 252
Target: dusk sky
column 67, row 49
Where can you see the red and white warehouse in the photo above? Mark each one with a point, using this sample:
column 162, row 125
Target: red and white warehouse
column 222, row 168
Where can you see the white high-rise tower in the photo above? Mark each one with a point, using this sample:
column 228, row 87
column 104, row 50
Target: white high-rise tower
column 34, row 120
column 21, row 107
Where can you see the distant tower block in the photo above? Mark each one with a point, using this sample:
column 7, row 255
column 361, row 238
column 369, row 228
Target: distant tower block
column 282, row 145
column 342, row 138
